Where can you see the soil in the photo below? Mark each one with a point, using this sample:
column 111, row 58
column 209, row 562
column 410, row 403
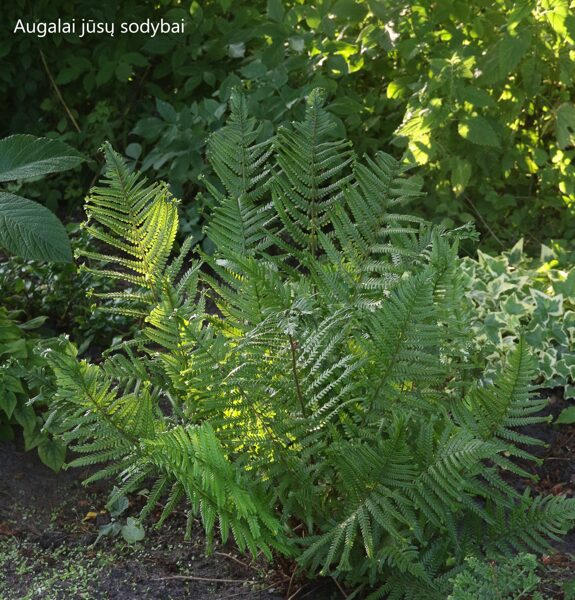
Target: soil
column 48, row 549
column 554, row 476
column 49, row 524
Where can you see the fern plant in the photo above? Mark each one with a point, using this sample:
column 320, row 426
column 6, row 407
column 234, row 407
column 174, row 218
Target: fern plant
column 307, row 389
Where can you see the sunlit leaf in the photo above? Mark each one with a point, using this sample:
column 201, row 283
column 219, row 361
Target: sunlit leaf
column 479, row 131
column 460, row 174
column 565, row 125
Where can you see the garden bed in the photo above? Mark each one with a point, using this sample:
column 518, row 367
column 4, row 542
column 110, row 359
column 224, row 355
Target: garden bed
column 48, row 549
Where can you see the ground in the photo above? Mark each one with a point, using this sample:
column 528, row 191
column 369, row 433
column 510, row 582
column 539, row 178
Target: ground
column 49, row 524
column 48, row 549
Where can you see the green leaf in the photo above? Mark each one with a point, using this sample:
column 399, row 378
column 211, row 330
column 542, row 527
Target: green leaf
column 110, row 529
column 25, row 156
column 33, row 437
column 8, row 402
column 52, row 453
column 237, row 50
column 567, row 416
column 123, row 71
column 556, row 12
column 460, row 175
column 479, row 131
column 167, row 111
column 565, row 125
column 516, row 253
column 275, row 10
column 514, row 306
column 33, row 323
column 512, row 50
column 567, row 286
column 118, row 505
column 31, row 231
column 26, row 417
column 349, row 9
column 133, row 532
column 569, row 589
column 476, row 96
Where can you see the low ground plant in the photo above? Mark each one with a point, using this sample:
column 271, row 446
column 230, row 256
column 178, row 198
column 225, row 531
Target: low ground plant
column 513, row 295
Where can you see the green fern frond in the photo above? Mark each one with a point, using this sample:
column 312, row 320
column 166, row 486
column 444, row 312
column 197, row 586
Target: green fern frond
column 312, row 171
column 498, row 410
column 137, row 220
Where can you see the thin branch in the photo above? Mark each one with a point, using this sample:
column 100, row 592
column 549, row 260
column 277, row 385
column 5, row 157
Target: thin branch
column 468, row 200
column 240, row 562
column 195, row 578
column 58, row 93
column 343, row 592
column 290, row 583
column 295, row 375
column 269, row 587
column 296, row 592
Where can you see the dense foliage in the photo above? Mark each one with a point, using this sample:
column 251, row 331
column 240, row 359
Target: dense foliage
column 515, row 295
column 311, row 388
column 323, row 377
column 479, row 93
column 497, row 579
column 26, row 388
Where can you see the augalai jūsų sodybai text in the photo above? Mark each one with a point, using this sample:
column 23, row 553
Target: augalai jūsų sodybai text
column 84, row 27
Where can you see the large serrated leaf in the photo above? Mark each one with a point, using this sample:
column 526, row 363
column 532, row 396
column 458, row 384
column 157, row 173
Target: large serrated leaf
column 25, row 156
column 478, row 130
column 31, row 231
column 565, row 125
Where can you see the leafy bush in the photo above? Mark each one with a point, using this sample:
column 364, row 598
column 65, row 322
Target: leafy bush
column 515, row 295
column 487, row 89
column 479, row 93
column 27, row 228
column 500, row 579
column 308, row 388
column 25, row 388
column 63, row 296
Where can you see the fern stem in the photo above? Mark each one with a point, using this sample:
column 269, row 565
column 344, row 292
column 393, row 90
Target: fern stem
column 295, row 375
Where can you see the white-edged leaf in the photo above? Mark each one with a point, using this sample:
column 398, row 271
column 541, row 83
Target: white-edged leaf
column 24, row 156
column 133, row 532
column 31, row 231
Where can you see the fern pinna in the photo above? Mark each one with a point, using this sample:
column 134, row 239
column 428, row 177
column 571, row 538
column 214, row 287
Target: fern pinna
column 314, row 370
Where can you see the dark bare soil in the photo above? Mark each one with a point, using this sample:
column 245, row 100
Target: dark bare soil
column 47, row 548
column 555, row 476
column 49, row 524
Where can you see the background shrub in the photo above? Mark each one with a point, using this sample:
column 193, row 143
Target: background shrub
column 480, row 94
